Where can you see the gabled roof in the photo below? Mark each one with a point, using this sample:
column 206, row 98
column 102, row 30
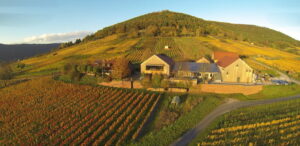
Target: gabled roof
column 165, row 58
column 218, row 55
column 203, row 60
column 224, row 59
column 195, row 67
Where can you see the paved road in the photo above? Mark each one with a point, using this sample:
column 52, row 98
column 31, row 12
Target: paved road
column 222, row 109
column 282, row 75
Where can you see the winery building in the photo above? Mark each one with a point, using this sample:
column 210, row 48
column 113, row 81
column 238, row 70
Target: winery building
column 233, row 69
column 227, row 67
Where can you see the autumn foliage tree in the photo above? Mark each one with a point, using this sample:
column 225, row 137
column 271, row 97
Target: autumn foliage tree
column 121, row 68
column 72, row 70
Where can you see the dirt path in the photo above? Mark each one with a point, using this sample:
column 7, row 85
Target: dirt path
column 122, row 84
column 283, row 76
column 228, row 106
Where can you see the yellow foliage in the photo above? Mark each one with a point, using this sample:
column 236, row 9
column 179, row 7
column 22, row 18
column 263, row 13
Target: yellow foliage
column 270, row 56
column 81, row 52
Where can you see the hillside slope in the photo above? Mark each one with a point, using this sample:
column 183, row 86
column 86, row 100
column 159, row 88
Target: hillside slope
column 167, row 23
column 188, row 38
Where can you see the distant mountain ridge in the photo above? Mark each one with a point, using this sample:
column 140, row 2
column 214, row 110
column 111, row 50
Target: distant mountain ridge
column 22, row 51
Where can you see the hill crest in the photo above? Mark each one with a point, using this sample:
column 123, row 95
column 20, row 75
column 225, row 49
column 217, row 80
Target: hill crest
column 172, row 24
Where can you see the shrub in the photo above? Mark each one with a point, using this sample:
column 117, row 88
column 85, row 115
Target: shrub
column 105, row 79
column 146, row 82
column 165, row 84
column 6, row 72
column 21, row 65
column 72, row 71
column 75, row 75
column 90, row 80
column 67, row 68
column 156, row 81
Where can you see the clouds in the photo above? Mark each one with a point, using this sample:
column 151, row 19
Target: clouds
column 56, row 37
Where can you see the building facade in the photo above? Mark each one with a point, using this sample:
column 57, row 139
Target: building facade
column 157, row 64
column 232, row 68
column 228, row 67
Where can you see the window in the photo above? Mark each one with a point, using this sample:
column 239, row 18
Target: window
column 198, row 74
column 155, row 67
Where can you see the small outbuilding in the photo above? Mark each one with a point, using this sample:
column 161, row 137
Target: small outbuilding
column 203, row 60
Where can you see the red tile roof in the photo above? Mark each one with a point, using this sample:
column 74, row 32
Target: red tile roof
column 225, row 58
column 218, row 55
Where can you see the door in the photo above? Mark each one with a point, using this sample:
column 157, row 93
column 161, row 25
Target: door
column 238, row 79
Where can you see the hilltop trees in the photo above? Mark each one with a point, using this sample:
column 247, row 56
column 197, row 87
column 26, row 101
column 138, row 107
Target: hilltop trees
column 164, row 23
column 152, row 30
column 172, row 24
column 184, row 32
column 69, row 44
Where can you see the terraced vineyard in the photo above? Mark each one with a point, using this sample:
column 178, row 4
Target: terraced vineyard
column 49, row 112
column 154, row 45
column 275, row 124
column 174, row 51
column 5, row 83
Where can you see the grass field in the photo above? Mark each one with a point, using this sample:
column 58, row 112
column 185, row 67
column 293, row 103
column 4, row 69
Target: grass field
column 275, row 91
column 48, row 112
column 274, row 124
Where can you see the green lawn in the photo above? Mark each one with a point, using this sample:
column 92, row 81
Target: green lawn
column 206, row 132
column 275, row 91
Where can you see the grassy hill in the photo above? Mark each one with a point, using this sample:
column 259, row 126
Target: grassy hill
column 167, row 23
column 188, row 37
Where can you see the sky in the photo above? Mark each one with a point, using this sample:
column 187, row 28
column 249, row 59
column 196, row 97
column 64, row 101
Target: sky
column 49, row 21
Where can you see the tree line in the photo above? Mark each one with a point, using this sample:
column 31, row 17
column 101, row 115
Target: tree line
column 118, row 68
